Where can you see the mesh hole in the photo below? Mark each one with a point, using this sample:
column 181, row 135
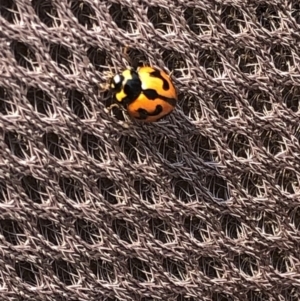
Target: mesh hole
column 145, row 189
column 218, row 187
column 62, row 56
column 88, row 231
column 282, row 57
column 125, row 230
column 73, row 189
column 24, row 55
column 139, row 270
column 56, row 146
column 46, row 12
column 12, row 232
column 280, row 261
column 191, row 106
column 160, row 18
column 252, row 183
column 3, row 192
column 34, row 188
column 169, row 149
column 40, row 101
column 94, row 146
column 17, row 144
column 273, row 142
column 287, row 180
column 231, row 226
column 225, row 105
column 197, row 20
column 184, row 191
column 50, row 231
column 197, row 228
column 232, row 18
column 291, row 96
column 210, row 60
column 296, row 132
column 9, row 10
column 259, row 100
column 174, row 61
column 221, row 297
column 268, row 224
column 122, row 17
column 103, row 270
column 6, row 105
column 176, row 269
column 84, row 13
column 185, row 298
column 256, row 296
column 128, row 146
column 267, row 16
column 58, row 296
column 246, row 60
column 290, row 294
column 247, row 264
column 66, row 272
column 239, row 144
column 97, row 57
column 137, row 58
column 295, row 217
column 296, row 11
column 27, row 272
column 161, row 230
column 201, row 146
column 108, row 190
column 210, row 267
column 79, row 104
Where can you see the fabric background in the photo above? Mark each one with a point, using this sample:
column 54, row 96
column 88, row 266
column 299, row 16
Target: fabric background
column 203, row 205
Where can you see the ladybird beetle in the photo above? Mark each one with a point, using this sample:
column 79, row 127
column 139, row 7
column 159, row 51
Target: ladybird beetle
column 147, row 93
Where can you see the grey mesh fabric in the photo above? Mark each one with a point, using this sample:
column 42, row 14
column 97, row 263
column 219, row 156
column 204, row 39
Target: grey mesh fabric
column 203, row 205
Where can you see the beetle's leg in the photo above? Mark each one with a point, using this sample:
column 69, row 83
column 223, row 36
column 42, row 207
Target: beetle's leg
column 114, row 105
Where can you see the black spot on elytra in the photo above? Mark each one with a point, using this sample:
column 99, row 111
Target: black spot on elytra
column 157, row 73
column 151, row 94
column 144, row 113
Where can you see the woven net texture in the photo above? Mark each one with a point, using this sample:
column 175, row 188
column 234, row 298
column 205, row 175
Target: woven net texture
column 202, row 205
